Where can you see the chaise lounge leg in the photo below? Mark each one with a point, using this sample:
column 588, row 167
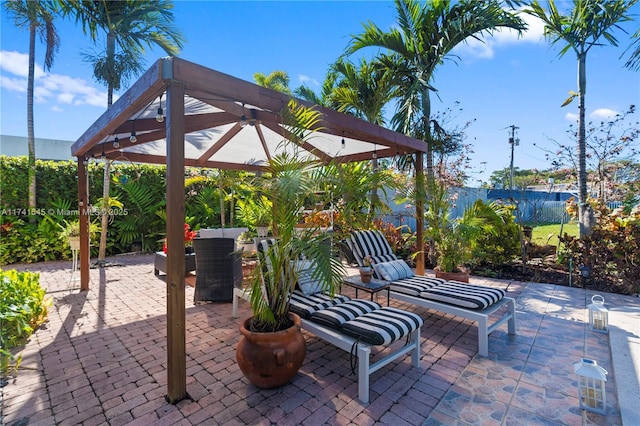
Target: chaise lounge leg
column 512, row 320
column 237, row 294
column 415, row 354
column 363, row 373
column 483, row 336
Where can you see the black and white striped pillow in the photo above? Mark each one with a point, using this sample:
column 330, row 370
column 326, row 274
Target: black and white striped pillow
column 383, row 326
column 393, row 270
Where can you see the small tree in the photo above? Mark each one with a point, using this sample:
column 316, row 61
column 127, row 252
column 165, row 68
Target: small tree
column 610, row 147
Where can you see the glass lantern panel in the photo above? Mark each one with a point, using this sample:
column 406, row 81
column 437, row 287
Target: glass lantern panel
column 592, row 394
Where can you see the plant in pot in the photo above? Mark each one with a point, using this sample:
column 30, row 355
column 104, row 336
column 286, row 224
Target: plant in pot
column 454, row 238
column 256, row 213
column 272, row 347
column 366, row 271
column 70, row 232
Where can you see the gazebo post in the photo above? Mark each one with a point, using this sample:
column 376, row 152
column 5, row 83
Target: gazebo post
column 420, row 213
column 83, row 212
column 176, row 329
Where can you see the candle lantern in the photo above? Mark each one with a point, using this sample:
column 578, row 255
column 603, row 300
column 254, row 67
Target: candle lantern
column 591, row 385
column 598, row 315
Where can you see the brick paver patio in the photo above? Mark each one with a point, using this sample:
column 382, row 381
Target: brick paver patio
column 101, row 359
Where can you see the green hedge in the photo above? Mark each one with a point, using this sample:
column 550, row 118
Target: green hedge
column 138, row 225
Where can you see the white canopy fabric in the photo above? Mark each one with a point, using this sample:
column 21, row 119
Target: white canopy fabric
column 216, row 135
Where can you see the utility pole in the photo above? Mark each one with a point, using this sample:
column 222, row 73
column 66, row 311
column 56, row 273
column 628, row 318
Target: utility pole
column 513, row 141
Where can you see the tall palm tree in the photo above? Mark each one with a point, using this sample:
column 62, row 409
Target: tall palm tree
column 38, row 18
column 590, row 23
column 422, row 39
column 129, row 26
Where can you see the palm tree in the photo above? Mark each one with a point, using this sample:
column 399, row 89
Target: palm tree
column 633, row 63
column 589, row 23
column 38, row 18
column 364, row 91
column 326, row 91
column 277, row 80
column 129, row 26
column 423, row 38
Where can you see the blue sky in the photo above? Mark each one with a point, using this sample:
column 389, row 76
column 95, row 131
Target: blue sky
column 505, row 81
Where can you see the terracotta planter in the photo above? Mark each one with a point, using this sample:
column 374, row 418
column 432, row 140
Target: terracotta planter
column 270, row 360
column 366, row 274
column 453, row 276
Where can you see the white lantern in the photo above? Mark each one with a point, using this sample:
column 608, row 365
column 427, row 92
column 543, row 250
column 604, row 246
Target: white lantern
column 591, row 389
column 598, row 315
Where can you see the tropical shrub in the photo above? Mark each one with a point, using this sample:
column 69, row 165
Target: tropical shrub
column 503, row 244
column 611, row 251
column 22, row 309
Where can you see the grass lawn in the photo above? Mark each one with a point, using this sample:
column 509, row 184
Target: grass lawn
column 548, row 234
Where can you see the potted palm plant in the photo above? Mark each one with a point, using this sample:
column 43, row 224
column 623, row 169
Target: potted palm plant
column 455, row 238
column 272, row 347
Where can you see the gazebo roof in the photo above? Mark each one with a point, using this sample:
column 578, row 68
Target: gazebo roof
column 215, row 135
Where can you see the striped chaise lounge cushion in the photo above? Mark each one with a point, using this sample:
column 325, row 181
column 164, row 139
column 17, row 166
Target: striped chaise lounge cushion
column 337, row 315
column 415, row 285
column 305, row 305
column 383, row 326
column 370, row 243
column 464, row 295
column 368, row 321
column 373, row 243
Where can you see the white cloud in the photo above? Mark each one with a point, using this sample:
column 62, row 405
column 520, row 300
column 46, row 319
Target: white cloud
column 18, row 85
column 484, row 47
column 306, row 79
column 49, row 87
column 603, row 114
column 597, row 114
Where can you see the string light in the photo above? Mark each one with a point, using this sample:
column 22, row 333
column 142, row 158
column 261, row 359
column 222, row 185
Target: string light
column 243, row 119
column 160, row 115
column 133, row 138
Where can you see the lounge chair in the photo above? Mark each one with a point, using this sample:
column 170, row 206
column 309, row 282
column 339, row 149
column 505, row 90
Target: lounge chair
column 469, row 301
column 355, row 326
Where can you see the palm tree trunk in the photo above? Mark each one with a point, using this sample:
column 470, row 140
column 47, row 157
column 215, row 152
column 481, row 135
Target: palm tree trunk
column 584, row 210
column 30, row 130
column 223, row 217
column 374, row 191
column 106, row 178
column 428, row 137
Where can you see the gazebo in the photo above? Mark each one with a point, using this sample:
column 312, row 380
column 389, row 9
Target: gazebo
column 182, row 114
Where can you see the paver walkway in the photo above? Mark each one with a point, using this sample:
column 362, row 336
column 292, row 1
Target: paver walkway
column 101, row 359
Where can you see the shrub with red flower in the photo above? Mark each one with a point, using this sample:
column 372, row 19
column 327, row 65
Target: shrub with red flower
column 189, row 235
